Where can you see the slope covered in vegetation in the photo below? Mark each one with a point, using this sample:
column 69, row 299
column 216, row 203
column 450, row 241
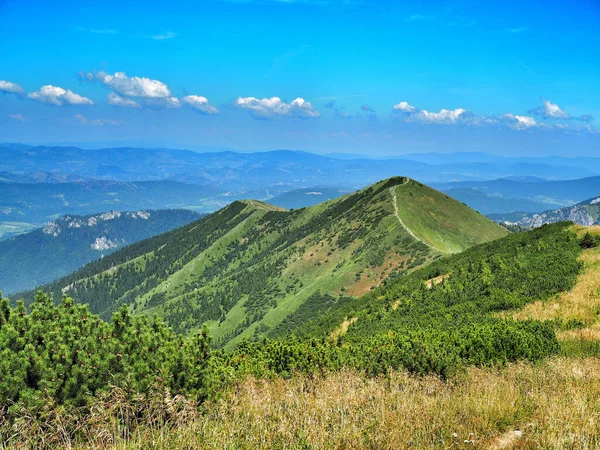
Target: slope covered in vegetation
column 66, row 244
column 64, row 361
column 245, row 269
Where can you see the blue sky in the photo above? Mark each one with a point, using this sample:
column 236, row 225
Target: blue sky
column 379, row 78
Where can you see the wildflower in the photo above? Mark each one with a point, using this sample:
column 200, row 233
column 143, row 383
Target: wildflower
column 454, row 435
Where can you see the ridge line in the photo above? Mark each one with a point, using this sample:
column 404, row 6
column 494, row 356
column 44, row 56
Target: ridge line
column 396, row 213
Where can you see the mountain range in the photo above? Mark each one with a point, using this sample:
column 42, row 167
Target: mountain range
column 66, row 244
column 42, row 183
column 298, row 169
column 246, row 270
column 37, row 203
column 585, row 213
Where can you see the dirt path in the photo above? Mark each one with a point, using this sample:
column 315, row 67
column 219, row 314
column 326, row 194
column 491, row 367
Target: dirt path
column 408, row 230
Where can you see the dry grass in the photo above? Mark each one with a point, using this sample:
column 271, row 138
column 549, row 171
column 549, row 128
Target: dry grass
column 343, row 328
column 437, row 280
column 582, row 302
column 552, row 405
column 555, row 405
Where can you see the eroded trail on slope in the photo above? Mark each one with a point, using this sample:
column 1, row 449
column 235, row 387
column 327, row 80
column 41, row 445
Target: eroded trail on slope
column 397, row 214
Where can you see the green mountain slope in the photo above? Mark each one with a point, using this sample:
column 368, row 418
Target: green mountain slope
column 248, row 267
column 458, row 293
column 438, row 220
column 65, row 244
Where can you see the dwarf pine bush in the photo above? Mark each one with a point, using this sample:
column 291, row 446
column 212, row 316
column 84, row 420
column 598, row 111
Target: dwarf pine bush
column 64, row 354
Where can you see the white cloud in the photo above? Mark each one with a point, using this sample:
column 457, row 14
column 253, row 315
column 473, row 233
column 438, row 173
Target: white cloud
column 130, row 86
column 58, row 96
column 96, row 122
column 11, row 88
column 404, row 107
column 576, row 129
column 549, row 110
column 117, row 100
column 200, row 104
column 409, row 113
column 519, row 122
column 526, row 121
column 444, row 116
column 17, row 117
column 164, row 36
column 267, row 108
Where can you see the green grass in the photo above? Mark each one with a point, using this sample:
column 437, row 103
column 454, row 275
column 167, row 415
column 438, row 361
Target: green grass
column 441, row 221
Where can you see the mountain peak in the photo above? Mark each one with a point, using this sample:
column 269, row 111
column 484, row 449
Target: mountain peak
column 260, row 205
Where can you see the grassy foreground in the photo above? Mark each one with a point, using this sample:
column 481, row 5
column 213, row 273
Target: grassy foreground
column 555, row 404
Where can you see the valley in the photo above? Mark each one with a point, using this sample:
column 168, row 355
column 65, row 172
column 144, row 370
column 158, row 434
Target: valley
column 44, row 254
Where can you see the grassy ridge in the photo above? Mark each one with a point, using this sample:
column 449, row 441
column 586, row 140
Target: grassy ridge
column 444, row 228
column 248, row 270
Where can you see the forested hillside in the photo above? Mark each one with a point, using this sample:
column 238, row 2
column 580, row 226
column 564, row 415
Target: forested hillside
column 66, row 244
column 459, row 296
column 245, row 269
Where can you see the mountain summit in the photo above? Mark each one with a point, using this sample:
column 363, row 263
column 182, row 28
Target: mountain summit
column 249, row 267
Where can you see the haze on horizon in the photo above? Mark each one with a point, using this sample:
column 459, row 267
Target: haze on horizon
column 377, row 78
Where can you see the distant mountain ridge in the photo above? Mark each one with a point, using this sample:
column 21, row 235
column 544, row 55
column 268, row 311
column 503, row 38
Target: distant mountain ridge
column 561, row 190
column 41, row 183
column 40, row 177
column 493, row 203
column 584, row 213
column 296, row 169
column 246, row 269
column 66, row 244
column 527, row 195
column 37, row 203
